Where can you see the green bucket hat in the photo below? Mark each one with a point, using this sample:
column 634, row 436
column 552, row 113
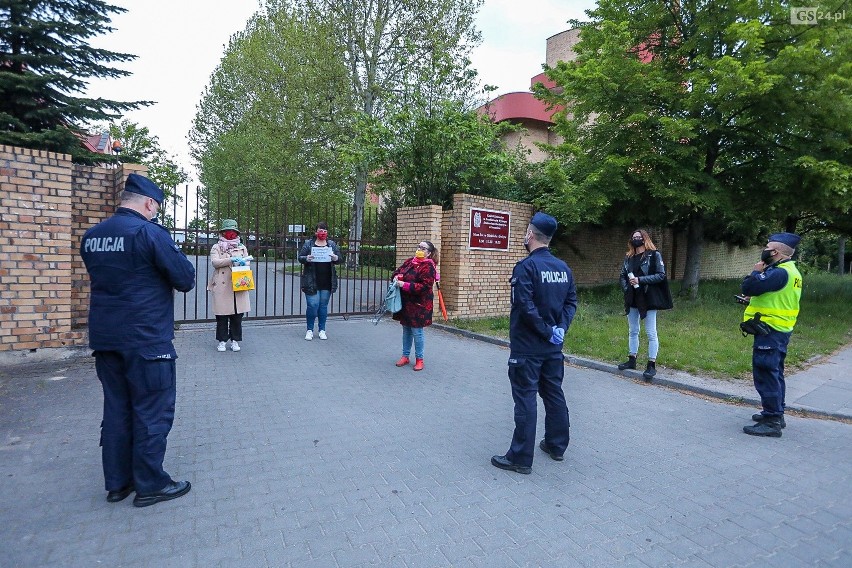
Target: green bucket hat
column 229, row 225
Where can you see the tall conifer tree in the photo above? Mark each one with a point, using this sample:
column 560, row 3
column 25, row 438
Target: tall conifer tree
column 45, row 62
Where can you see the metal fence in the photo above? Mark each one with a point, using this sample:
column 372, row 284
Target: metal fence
column 273, row 230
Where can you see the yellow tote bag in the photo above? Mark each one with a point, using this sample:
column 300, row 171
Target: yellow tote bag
column 242, row 278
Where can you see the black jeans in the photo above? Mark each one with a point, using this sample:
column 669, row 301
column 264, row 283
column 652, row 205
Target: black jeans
column 236, row 326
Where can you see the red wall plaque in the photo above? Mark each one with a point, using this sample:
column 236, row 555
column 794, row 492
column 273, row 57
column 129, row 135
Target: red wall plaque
column 489, row 230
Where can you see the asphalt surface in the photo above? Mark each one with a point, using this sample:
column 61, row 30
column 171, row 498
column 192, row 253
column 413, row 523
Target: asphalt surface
column 324, row 454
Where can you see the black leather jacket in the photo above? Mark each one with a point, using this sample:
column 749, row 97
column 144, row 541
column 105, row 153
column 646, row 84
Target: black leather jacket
column 652, row 280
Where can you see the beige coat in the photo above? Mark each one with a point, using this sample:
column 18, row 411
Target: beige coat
column 220, row 287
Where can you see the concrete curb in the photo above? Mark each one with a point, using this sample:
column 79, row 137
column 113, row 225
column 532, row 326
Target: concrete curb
column 728, row 397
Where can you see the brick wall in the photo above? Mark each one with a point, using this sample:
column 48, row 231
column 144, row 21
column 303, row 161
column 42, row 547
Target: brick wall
column 560, row 47
column 595, row 255
column 46, row 203
column 475, row 283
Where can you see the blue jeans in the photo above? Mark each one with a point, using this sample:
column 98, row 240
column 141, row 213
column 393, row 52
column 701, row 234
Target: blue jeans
column 650, row 331
column 415, row 333
column 318, row 306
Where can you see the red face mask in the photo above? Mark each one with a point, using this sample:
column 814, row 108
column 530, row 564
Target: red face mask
column 322, row 234
column 230, row 235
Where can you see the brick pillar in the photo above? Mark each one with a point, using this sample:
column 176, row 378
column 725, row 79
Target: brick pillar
column 476, row 282
column 35, row 237
column 415, row 224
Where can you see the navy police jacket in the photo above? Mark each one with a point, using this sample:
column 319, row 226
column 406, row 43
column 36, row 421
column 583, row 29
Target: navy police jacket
column 543, row 295
column 134, row 267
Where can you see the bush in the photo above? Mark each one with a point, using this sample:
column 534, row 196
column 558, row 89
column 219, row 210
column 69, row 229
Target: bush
column 378, row 256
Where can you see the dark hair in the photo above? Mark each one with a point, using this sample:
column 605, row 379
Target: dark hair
column 322, row 225
column 433, row 250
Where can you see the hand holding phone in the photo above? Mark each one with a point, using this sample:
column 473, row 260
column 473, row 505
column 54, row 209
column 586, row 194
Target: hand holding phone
column 742, row 299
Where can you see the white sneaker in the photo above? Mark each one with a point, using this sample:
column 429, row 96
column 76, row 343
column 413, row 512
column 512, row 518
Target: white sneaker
column 322, row 334
column 235, row 346
column 309, row 335
column 221, row 346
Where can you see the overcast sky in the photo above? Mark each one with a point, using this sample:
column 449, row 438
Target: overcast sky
column 180, row 42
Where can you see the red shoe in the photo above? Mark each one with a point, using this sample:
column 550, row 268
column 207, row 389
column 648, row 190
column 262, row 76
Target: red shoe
column 403, row 361
column 418, row 364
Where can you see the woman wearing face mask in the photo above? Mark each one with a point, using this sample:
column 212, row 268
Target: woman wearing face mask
column 415, row 279
column 646, row 290
column 319, row 278
column 228, row 306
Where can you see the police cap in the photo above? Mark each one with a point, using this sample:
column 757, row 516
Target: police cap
column 789, row 239
column 544, row 223
column 143, row 186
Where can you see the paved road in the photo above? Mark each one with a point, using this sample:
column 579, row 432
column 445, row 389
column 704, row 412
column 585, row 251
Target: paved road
column 324, row 454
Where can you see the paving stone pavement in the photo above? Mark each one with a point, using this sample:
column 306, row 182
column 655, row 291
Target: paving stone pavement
column 324, row 454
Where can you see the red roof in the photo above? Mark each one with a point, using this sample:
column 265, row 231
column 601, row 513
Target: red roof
column 519, row 107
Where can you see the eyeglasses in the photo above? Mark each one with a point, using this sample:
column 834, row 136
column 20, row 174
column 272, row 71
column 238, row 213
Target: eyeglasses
column 423, row 247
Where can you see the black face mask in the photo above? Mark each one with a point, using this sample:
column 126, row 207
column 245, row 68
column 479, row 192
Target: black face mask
column 766, row 256
column 637, row 242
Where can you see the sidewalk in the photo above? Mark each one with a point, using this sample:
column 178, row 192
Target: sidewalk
column 324, row 454
column 823, row 390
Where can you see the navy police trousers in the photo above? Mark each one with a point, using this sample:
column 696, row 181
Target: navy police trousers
column 542, row 375
column 767, row 368
column 139, row 408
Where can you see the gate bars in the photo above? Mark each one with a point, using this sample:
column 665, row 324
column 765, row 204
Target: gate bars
column 273, row 230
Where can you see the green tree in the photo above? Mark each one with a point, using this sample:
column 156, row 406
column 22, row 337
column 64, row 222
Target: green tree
column 139, row 146
column 389, row 47
column 45, row 61
column 273, row 117
column 444, row 150
column 676, row 110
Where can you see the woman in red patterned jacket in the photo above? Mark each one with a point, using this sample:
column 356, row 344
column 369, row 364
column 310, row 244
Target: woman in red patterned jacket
column 415, row 279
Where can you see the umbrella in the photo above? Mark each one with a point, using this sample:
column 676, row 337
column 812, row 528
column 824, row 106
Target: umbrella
column 441, row 302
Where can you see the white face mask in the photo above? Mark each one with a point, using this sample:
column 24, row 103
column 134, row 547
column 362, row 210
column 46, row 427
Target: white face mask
column 153, row 218
column 527, row 241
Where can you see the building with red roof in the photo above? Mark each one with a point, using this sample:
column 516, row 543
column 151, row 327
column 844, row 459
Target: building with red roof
column 524, row 109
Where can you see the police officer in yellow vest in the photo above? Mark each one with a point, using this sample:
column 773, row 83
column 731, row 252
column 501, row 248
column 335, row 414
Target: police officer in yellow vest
column 774, row 289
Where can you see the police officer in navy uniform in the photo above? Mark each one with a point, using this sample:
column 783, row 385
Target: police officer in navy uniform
column 134, row 267
column 544, row 301
column 774, row 289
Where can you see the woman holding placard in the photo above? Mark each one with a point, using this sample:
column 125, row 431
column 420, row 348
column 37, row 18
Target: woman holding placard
column 228, row 306
column 318, row 257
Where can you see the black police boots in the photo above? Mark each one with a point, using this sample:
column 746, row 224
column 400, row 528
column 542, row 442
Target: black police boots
column 629, row 364
column 769, row 426
column 760, row 417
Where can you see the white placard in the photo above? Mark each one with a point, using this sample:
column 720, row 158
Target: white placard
column 321, row 254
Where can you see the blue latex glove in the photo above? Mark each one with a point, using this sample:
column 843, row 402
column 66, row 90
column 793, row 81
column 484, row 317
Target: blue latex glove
column 558, row 336
column 238, row 261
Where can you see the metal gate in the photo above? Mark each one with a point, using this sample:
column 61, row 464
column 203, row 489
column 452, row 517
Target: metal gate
column 273, row 230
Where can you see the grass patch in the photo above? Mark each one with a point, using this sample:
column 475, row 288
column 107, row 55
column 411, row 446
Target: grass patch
column 701, row 336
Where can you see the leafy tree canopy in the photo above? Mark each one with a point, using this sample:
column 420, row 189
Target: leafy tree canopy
column 434, row 153
column 139, row 146
column 273, row 115
column 688, row 113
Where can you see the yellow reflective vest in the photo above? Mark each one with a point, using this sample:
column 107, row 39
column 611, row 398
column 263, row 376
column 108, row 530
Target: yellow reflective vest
column 779, row 309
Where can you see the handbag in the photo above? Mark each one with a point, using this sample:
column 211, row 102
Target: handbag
column 242, row 279
column 393, row 299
